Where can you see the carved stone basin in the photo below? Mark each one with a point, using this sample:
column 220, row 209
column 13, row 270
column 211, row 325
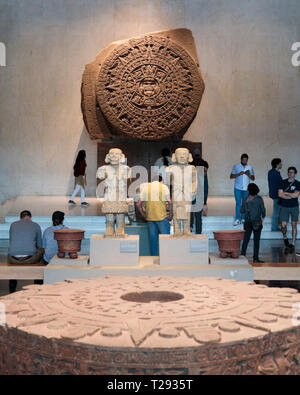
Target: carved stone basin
column 150, row 326
column 229, row 242
column 69, row 241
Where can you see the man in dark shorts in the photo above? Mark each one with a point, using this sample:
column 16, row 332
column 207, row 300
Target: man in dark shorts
column 289, row 193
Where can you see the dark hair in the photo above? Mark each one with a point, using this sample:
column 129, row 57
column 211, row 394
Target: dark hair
column 292, row 168
column 244, row 156
column 275, row 162
column 253, row 189
column 81, row 156
column 58, row 218
column 165, row 152
column 160, row 178
column 25, row 213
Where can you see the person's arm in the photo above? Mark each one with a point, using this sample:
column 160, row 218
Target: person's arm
column 250, row 174
column 141, row 207
column 283, row 195
column 263, row 209
column 39, row 243
column 170, row 208
column 205, row 189
column 44, row 240
column 293, row 195
column 234, row 174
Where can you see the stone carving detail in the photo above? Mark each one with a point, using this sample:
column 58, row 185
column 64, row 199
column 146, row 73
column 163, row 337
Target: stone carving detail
column 213, row 329
column 148, row 88
column 183, row 178
column 115, row 202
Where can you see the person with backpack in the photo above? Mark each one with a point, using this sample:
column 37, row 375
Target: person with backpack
column 254, row 209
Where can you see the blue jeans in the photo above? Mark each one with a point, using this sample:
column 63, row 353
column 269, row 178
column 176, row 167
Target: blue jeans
column 156, row 227
column 276, row 208
column 239, row 196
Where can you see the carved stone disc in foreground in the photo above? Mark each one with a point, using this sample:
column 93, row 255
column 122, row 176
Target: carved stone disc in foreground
column 142, row 325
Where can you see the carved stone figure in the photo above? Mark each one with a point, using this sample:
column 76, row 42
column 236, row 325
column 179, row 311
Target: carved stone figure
column 183, row 179
column 115, row 202
column 147, row 88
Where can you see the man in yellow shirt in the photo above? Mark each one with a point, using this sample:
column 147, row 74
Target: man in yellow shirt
column 153, row 203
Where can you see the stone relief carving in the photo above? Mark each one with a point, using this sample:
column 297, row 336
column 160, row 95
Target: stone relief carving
column 146, row 88
column 86, row 326
column 116, row 204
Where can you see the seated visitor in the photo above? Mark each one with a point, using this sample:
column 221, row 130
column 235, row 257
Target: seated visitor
column 50, row 245
column 25, row 244
column 254, row 210
column 153, row 203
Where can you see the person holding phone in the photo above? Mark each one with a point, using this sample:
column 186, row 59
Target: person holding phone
column 242, row 173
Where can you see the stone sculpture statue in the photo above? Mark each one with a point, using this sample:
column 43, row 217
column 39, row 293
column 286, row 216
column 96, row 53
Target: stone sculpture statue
column 183, row 179
column 147, row 88
column 116, row 204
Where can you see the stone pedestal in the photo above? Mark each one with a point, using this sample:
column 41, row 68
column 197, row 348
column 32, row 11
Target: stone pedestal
column 183, row 250
column 215, row 259
column 111, row 251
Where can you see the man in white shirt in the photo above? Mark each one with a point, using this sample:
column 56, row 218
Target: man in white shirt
column 242, row 173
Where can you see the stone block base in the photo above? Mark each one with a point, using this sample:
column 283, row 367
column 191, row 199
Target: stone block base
column 110, row 251
column 183, row 250
column 215, row 259
column 148, row 266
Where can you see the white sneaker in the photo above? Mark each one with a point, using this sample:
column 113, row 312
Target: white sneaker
column 243, row 221
column 236, row 222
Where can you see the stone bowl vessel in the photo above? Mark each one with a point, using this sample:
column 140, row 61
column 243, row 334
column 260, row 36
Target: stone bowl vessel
column 229, row 242
column 69, row 241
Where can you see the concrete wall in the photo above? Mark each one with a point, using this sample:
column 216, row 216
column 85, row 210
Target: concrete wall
column 251, row 103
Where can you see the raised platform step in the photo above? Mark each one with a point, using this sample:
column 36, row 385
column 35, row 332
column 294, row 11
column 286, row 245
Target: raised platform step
column 96, row 225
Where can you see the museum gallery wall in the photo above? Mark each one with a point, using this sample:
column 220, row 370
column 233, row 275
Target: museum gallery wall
column 251, row 98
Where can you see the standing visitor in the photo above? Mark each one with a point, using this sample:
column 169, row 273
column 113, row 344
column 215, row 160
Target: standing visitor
column 153, row 203
column 80, row 178
column 289, row 193
column 254, row 209
column 275, row 182
column 198, row 162
column 242, row 173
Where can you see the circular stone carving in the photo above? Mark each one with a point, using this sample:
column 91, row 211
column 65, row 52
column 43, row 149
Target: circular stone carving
column 86, row 327
column 149, row 88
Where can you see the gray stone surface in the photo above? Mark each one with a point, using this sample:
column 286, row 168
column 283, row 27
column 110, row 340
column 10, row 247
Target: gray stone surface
column 251, row 102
